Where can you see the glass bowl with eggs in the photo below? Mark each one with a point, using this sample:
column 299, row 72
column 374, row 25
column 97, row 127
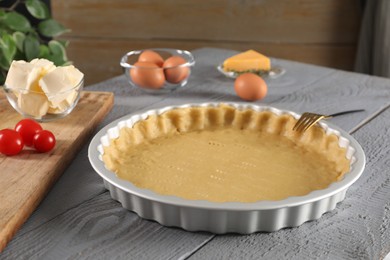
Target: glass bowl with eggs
column 42, row 91
column 158, row 70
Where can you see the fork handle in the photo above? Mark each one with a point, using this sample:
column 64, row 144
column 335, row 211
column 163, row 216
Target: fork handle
column 346, row 112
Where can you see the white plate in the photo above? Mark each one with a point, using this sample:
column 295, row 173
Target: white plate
column 274, row 73
column 200, row 215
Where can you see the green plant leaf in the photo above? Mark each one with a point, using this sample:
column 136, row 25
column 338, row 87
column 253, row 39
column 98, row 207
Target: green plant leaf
column 19, row 40
column 2, row 79
column 56, row 47
column 20, row 55
column 38, row 9
column 7, row 50
column 3, row 62
column 51, row 28
column 64, row 43
column 16, row 22
column 2, row 14
column 31, row 47
column 67, row 63
column 44, row 51
column 57, row 53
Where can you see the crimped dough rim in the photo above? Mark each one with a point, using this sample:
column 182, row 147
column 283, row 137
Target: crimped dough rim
column 188, row 119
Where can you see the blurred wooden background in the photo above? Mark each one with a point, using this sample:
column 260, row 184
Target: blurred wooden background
column 322, row 32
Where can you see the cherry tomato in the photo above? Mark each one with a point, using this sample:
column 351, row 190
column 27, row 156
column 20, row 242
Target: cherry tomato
column 27, row 129
column 11, row 142
column 44, row 141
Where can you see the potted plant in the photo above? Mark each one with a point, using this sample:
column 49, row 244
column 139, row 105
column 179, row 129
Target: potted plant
column 20, row 39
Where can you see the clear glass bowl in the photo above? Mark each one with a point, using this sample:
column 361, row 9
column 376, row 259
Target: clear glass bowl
column 41, row 106
column 156, row 80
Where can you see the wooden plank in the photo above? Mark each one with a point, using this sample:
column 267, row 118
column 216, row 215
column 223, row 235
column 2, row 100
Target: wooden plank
column 357, row 229
column 317, row 32
column 267, row 21
column 128, row 100
column 53, row 224
column 27, row 177
column 99, row 58
column 102, row 229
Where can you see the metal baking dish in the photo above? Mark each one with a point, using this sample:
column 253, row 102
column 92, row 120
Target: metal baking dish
column 235, row 217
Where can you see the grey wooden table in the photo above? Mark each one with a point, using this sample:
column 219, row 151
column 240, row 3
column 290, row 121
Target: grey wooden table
column 79, row 220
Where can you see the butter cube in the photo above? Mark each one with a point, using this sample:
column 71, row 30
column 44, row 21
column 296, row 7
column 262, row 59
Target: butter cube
column 41, row 87
column 34, row 104
column 44, row 65
column 23, row 75
column 58, row 84
column 74, row 74
column 57, row 110
column 59, row 107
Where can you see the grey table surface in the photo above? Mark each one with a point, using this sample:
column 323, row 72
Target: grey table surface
column 79, row 220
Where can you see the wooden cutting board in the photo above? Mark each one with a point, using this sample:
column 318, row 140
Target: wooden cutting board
column 27, row 177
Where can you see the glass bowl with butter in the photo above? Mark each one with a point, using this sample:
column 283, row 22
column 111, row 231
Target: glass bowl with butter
column 42, row 91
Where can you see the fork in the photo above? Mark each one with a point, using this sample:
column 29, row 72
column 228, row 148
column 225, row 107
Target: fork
column 307, row 119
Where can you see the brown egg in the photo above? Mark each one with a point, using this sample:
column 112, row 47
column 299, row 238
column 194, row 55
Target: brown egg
column 174, row 73
column 147, row 75
column 250, row 87
column 152, row 57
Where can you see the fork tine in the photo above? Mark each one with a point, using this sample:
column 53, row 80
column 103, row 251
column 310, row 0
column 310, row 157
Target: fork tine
column 302, row 127
column 302, row 121
column 307, row 119
column 298, row 123
column 313, row 120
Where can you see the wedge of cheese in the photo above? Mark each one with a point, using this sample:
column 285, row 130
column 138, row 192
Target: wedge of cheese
column 247, row 61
